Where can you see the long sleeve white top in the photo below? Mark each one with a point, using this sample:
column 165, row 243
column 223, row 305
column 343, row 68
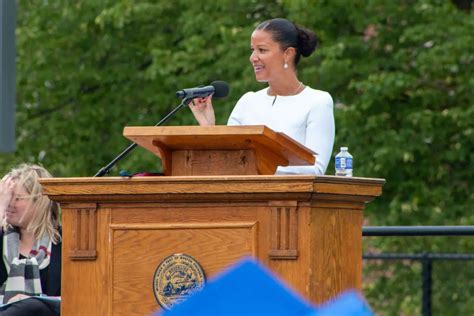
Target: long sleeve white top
column 306, row 117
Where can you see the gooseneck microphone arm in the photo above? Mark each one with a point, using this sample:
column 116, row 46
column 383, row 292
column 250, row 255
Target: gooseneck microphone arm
column 103, row 171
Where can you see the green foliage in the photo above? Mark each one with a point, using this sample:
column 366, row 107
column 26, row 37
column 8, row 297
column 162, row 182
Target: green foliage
column 399, row 71
column 406, row 108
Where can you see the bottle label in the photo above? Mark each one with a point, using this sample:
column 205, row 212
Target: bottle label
column 348, row 163
column 343, row 163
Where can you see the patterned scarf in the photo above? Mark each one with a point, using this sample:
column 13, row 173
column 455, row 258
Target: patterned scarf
column 23, row 274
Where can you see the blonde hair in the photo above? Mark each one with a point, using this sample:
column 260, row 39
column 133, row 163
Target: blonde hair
column 45, row 217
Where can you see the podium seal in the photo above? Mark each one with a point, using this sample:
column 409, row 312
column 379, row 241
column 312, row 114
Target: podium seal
column 177, row 277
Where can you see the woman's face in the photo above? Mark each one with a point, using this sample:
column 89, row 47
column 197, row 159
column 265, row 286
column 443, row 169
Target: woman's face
column 267, row 57
column 19, row 212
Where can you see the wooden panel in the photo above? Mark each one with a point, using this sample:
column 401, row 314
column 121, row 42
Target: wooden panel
column 85, row 284
column 295, row 273
column 84, row 233
column 165, row 153
column 141, row 248
column 213, row 162
column 268, row 159
column 336, row 252
column 347, row 189
column 190, row 213
column 284, row 230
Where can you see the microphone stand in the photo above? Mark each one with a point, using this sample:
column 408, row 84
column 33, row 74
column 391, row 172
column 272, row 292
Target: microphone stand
column 104, row 170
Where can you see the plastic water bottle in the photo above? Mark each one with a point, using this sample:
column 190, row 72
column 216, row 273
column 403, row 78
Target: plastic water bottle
column 344, row 163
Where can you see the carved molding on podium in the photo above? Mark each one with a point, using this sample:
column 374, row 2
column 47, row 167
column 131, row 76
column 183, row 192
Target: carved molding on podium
column 84, row 246
column 283, row 230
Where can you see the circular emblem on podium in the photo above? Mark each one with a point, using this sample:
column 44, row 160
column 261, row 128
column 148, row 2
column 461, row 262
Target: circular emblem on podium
column 177, row 277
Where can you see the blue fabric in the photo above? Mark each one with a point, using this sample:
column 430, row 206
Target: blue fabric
column 245, row 289
column 348, row 303
column 250, row 289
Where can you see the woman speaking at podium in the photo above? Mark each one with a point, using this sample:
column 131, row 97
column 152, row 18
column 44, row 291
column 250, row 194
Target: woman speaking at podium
column 287, row 105
column 30, row 267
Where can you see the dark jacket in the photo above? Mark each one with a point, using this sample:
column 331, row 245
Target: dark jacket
column 50, row 276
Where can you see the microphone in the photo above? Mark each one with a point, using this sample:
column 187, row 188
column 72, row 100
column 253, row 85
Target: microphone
column 219, row 89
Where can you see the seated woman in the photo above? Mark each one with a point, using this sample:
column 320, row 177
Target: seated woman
column 30, row 244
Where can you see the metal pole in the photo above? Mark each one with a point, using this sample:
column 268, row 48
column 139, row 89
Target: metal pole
column 104, row 170
column 426, row 274
column 417, row 231
column 7, row 75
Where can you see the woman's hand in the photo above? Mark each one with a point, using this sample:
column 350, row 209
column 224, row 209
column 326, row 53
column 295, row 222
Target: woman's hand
column 203, row 111
column 17, row 297
column 6, row 193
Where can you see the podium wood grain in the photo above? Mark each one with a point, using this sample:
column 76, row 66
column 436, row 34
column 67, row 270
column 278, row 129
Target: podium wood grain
column 220, row 150
column 116, row 231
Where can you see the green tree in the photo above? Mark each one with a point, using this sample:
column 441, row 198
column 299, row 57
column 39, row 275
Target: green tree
column 402, row 73
column 87, row 69
column 399, row 71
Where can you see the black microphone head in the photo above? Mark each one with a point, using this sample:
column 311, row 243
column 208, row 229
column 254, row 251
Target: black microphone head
column 221, row 89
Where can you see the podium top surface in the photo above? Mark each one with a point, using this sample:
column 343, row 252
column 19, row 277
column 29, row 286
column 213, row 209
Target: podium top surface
column 213, row 188
column 253, row 137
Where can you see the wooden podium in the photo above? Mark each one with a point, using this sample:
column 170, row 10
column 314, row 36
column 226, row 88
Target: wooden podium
column 219, row 203
column 220, row 150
